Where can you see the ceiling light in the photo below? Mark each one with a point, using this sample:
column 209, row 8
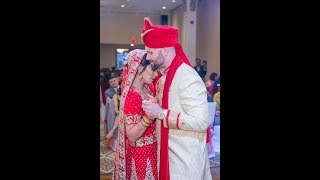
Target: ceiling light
column 122, row 5
column 173, row 1
column 163, row 7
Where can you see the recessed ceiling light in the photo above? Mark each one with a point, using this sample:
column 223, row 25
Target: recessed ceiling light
column 122, row 5
column 128, row 0
column 163, row 7
column 173, row 1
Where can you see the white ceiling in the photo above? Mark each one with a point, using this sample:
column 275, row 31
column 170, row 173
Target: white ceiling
column 139, row 6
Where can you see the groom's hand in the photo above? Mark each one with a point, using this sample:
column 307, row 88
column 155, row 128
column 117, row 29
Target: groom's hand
column 151, row 109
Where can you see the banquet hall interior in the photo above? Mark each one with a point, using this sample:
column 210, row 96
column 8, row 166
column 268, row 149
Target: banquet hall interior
column 121, row 23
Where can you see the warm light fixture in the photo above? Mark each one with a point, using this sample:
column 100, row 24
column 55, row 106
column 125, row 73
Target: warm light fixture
column 163, row 7
column 122, row 5
column 119, row 50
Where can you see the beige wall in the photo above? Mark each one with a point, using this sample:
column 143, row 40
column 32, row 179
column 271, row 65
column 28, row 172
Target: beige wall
column 119, row 28
column 176, row 19
column 208, row 34
column 108, row 53
column 116, row 31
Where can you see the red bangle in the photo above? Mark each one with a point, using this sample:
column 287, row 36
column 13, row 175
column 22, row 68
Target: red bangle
column 177, row 121
column 167, row 117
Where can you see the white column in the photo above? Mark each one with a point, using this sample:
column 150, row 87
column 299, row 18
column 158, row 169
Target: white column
column 190, row 30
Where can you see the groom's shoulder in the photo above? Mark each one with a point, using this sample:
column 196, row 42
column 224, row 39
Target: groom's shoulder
column 186, row 70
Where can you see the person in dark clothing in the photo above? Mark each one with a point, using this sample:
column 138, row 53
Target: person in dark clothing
column 200, row 69
column 216, row 87
column 204, row 64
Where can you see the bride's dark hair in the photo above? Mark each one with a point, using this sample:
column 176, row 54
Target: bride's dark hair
column 144, row 63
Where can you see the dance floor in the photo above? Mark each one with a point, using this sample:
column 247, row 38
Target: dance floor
column 107, row 158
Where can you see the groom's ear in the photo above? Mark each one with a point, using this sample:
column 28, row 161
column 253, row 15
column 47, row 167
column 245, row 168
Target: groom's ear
column 165, row 51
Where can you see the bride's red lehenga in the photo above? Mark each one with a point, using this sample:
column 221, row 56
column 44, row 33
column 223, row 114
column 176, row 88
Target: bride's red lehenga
column 141, row 158
column 136, row 160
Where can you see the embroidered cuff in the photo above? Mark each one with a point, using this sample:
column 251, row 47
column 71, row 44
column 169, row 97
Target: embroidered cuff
column 172, row 120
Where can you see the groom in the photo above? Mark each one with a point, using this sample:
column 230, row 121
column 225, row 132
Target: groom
column 182, row 112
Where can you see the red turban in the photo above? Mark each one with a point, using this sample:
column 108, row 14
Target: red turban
column 159, row 36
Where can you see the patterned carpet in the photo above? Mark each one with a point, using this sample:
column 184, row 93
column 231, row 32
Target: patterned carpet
column 107, row 160
column 215, row 161
column 106, row 154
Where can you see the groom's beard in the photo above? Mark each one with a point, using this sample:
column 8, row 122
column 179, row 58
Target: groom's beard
column 155, row 67
column 159, row 63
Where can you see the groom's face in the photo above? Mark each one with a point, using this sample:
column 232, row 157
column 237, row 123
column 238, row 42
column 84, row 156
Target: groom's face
column 156, row 58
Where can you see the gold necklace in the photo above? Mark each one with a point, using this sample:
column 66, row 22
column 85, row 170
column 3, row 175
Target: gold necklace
column 144, row 86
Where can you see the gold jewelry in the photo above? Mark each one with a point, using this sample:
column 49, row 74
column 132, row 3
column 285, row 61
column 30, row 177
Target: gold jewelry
column 144, row 125
column 141, row 81
column 147, row 120
column 144, row 85
column 149, row 123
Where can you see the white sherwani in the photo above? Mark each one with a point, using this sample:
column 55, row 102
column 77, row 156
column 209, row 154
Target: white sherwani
column 188, row 155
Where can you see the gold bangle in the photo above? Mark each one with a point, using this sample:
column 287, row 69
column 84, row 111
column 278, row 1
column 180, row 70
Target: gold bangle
column 148, row 119
column 146, row 122
column 144, row 125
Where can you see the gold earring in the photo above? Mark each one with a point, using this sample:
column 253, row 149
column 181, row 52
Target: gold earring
column 141, row 77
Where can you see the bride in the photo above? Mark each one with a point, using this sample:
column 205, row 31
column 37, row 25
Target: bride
column 136, row 151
